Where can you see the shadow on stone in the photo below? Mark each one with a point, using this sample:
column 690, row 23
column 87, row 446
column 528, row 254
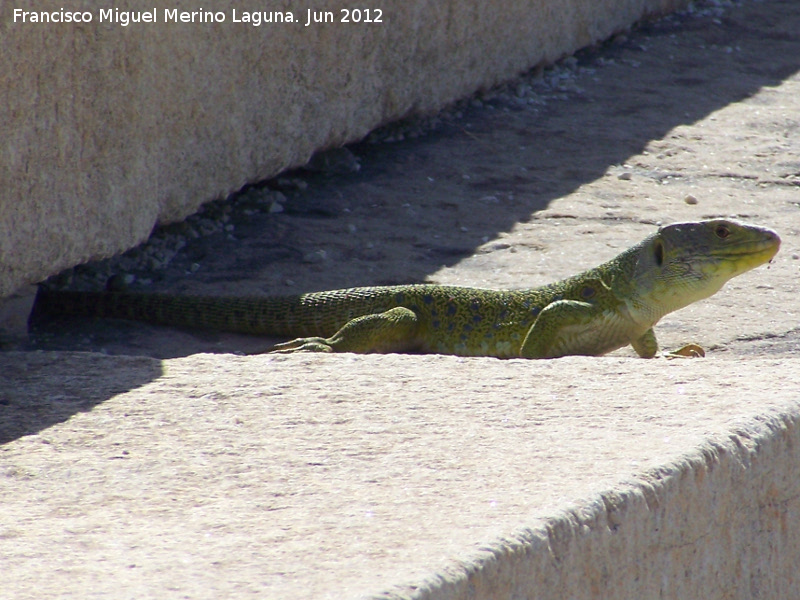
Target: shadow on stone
column 41, row 389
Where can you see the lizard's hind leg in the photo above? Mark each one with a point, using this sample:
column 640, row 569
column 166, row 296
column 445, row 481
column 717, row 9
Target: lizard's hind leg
column 395, row 330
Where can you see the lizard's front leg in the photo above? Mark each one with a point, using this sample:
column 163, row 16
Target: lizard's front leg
column 647, row 347
column 567, row 327
column 560, row 330
column 395, row 330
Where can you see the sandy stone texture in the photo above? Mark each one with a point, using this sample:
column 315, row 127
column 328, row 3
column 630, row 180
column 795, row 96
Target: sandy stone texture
column 346, row 477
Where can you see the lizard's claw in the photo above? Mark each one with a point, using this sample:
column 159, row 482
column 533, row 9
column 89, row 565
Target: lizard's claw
column 688, row 351
column 311, row 344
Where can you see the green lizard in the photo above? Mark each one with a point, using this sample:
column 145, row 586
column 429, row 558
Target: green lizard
column 595, row 312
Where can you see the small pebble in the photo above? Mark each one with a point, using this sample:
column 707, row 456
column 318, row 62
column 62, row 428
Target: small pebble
column 571, row 62
column 689, row 199
column 276, row 197
column 315, row 257
column 120, row 282
column 626, row 176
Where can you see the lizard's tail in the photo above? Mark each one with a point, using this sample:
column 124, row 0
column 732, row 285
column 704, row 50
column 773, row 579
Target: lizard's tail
column 315, row 314
column 252, row 315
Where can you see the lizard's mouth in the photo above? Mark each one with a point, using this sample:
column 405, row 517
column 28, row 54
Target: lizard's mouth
column 734, row 260
column 756, row 251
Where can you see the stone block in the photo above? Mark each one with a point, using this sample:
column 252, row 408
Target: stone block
column 111, row 126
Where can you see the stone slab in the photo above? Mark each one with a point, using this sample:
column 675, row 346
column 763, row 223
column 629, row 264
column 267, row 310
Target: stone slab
column 393, row 477
column 109, row 128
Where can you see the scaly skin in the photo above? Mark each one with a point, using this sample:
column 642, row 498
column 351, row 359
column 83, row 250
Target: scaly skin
column 592, row 313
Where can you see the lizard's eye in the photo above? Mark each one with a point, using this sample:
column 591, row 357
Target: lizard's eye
column 658, row 253
column 722, row 232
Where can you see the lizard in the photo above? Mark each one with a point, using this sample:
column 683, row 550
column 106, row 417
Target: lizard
column 595, row 312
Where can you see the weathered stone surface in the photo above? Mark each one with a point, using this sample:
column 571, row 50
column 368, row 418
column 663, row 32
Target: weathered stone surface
column 312, row 477
column 108, row 129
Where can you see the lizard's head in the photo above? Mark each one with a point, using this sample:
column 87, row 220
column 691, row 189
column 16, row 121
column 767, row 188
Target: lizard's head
column 686, row 262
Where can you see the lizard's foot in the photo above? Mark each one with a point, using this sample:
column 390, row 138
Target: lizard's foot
column 394, row 330
column 688, row 351
column 311, row 344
